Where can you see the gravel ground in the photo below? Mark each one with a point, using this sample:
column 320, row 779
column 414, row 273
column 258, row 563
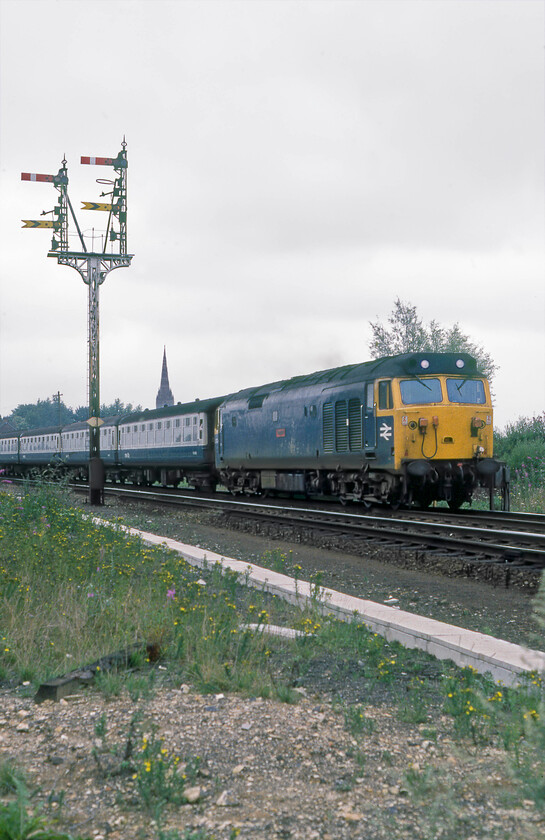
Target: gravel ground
column 266, row 770
column 269, row 770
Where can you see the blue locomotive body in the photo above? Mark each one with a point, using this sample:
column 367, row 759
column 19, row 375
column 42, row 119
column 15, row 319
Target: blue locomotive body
column 302, row 432
column 284, row 431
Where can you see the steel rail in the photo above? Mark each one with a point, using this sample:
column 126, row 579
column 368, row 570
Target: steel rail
column 496, row 518
column 485, row 545
column 511, row 547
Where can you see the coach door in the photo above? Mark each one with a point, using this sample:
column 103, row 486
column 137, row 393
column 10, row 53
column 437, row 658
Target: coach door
column 219, row 434
column 369, row 420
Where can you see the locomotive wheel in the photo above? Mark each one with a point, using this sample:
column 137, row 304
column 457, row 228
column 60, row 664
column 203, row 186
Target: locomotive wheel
column 424, row 500
column 457, row 500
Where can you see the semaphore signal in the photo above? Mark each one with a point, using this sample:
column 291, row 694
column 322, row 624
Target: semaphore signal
column 93, row 268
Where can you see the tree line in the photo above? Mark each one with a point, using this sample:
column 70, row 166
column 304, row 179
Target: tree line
column 53, row 412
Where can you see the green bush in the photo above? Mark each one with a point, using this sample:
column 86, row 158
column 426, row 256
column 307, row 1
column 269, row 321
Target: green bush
column 522, row 445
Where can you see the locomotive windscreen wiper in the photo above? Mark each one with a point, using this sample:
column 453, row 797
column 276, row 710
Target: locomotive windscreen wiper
column 422, row 382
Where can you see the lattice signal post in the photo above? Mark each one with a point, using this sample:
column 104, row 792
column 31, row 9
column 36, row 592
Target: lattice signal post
column 93, row 267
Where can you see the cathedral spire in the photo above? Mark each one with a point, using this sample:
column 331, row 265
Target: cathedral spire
column 164, row 394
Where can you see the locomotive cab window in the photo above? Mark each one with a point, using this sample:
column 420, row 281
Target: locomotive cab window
column 420, row 391
column 466, row 391
column 385, row 400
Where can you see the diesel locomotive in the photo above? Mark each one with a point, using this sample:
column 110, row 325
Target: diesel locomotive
column 406, row 430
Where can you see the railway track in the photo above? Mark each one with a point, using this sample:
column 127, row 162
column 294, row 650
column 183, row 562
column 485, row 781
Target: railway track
column 514, row 539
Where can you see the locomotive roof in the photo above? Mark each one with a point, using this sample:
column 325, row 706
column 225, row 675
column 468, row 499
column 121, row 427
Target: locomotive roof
column 406, row 364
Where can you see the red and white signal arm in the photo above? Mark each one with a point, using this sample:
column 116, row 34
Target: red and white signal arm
column 98, row 161
column 33, row 176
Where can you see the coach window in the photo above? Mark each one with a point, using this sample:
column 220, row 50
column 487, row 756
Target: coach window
column 385, row 395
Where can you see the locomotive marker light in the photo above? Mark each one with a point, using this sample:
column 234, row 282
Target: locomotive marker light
column 93, row 268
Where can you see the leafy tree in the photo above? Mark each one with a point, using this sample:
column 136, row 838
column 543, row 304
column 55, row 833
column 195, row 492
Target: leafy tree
column 406, row 333
column 40, row 415
column 49, row 412
column 118, row 407
column 107, row 410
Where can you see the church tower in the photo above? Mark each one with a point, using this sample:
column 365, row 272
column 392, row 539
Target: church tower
column 164, row 394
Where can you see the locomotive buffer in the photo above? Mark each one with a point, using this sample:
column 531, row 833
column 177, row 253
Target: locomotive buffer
column 93, row 266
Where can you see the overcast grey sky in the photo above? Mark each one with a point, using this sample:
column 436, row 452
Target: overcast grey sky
column 293, row 168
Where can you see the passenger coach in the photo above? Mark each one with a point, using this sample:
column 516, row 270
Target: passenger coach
column 169, row 445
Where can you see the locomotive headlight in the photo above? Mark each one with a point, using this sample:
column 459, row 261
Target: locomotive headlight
column 460, row 363
column 424, row 364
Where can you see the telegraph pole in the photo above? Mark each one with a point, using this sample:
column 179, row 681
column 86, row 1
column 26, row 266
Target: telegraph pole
column 57, row 397
column 93, row 267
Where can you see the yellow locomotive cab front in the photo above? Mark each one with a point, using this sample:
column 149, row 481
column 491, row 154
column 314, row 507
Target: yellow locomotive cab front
column 442, row 418
column 443, row 433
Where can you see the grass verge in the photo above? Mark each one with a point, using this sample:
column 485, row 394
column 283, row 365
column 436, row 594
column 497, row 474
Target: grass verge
column 71, row 593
